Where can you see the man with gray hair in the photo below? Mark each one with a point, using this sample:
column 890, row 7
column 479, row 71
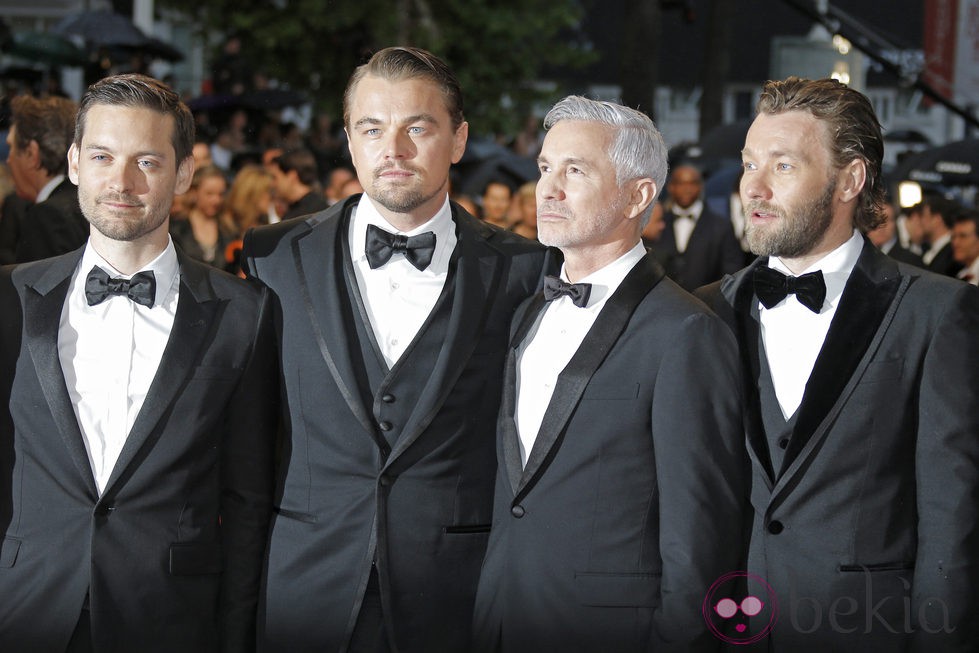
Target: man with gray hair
column 621, row 484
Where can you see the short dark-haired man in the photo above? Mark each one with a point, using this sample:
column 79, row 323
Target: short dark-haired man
column 39, row 136
column 965, row 245
column 863, row 387
column 937, row 216
column 394, row 307
column 136, row 425
column 295, row 178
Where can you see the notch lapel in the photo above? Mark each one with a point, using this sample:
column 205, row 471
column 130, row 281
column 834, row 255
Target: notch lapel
column 573, row 380
column 44, row 300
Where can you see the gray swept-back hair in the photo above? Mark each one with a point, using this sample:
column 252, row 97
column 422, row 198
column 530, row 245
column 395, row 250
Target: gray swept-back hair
column 637, row 149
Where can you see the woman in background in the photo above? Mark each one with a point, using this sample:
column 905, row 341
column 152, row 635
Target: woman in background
column 207, row 231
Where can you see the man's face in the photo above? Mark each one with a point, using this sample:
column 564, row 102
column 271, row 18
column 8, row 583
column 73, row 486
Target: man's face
column 965, row 242
column 496, row 202
column 20, row 163
column 402, row 143
column 126, row 171
column 914, row 223
column 281, row 181
column 685, row 186
column 788, row 186
column 885, row 231
column 579, row 202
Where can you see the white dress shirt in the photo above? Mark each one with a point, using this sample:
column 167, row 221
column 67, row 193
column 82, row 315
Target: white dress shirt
column 110, row 353
column 793, row 335
column 936, row 247
column 398, row 296
column 685, row 220
column 547, row 349
column 970, row 274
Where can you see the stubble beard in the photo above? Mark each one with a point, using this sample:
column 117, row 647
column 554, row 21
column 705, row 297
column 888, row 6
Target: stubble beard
column 792, row 235
column 117, row 227
column 403, row 199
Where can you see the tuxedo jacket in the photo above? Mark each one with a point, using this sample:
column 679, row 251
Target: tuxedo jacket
column 633, row 497
column 944, row 262
column 52, row 227
column 905, row 255
column 867, row 532
column 311, row 202
column 712, row 251
column 397, row 477
column 168, row 557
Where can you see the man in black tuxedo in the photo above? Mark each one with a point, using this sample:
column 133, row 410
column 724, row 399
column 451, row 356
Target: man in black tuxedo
column 622, row 478
column 862, row 394
column 392, row 310
column 295, row 177
column 697, row 246
column 884, row 237
column 137, row 424
column 40, row 133
column 937, row 217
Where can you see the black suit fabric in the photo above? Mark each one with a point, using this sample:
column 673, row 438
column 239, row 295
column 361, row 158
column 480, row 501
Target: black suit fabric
column 311, row 202
column 168, row 558
column 52, row 227
column 866, row 531
column 383, row 471
column 711, row 252
column 632, row 500
column 944, row 262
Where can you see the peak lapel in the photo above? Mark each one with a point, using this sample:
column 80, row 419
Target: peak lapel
column 197, row 307
column 572, row 381
column 44, row 299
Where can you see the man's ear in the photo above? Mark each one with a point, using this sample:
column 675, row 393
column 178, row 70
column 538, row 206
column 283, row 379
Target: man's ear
column 851, row 180
column 185, row 174
column 459, row 141
column 643, row 194
column 33, row 153
column 73, row 163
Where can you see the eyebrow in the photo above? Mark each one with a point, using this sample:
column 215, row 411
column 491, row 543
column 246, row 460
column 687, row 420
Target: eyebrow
column 799, row 155
column 104, row 148
column 420, row 117
column 571, row 160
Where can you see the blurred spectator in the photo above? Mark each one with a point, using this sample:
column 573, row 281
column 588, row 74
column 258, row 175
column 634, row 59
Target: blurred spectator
column 696, row 246
column 885, row 238
column 467, row 203
column 11, row 208
column 654, row 228
column 207, row 231
column 496, row 203
column 41, row 131
column 937, row 218
column 351, row 187
column 250, row 198
column 528, row 141
column 965, row 245
column 911, row 230
column 230, row 72
column 335, row 182
column 297, row 183
column 525, row 203
column 202, row 155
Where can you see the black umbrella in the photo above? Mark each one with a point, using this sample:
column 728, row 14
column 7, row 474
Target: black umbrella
column 102, row 28
column 46, row 48
column 953, row 164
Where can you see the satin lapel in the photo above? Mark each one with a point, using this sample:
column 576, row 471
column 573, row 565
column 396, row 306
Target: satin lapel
column 740, row 294
column 572, row 381
column 507, row 423
column 44, row 300
column 478, row 272
column 319, row 268
column 869, row 300
column 196, row 317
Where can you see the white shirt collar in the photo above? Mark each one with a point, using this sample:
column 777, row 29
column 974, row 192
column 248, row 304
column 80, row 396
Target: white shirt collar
column 48, row 188
column 604, row 281
column 165, row 269
column 441, row 225
column 835, row 266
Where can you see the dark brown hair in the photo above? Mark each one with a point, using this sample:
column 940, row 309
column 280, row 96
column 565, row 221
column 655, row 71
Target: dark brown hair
column 141, row 92
column 47, row 121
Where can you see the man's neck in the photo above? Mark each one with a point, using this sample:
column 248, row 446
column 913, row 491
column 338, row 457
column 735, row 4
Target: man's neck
column 579, row 263
column 129, row 257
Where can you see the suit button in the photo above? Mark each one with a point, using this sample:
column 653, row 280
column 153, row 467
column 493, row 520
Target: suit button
column 386, row 480
column 783, row 443
column 775, row 527
column 386, row 426
column 103, row 510
column 518, row 511
column 388, row 398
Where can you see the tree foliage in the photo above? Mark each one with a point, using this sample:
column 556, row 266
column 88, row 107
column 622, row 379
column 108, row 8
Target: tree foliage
column 496, row 47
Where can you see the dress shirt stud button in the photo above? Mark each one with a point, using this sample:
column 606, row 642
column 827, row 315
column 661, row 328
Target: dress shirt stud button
column 517, row 511
column 388, row 398
column 385, row 426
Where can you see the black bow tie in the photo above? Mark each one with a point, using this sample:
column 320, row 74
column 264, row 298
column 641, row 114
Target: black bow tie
column 772, row 286
column 578, row 292
column 381, row 246
column 141, row 288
